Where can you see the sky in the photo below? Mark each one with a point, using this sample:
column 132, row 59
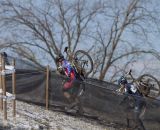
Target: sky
column 153, row 37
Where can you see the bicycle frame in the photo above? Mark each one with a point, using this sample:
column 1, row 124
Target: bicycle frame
column 73, row 62
column 137, row 82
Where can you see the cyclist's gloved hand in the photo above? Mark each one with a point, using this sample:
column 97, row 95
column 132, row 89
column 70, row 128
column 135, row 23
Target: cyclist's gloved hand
column 59, row 68
column 118, row 90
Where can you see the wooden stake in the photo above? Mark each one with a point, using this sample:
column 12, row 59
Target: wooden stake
column 47, row 86
column 4, row 91
column 14, row 88
column 1, row 85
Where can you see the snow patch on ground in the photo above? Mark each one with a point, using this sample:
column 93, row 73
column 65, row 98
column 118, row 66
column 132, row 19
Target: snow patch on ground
column 33, row 117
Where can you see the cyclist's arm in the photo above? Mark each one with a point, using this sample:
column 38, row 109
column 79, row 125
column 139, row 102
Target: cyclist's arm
column 121, row 89
column 60, row 70
column 69, row 68
column 126, row 94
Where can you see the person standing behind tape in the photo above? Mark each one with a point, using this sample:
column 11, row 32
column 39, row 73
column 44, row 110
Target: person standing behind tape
column 5, row 56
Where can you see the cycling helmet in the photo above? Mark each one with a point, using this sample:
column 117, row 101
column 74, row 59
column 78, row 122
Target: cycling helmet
column 60, row 57
column 122, row 80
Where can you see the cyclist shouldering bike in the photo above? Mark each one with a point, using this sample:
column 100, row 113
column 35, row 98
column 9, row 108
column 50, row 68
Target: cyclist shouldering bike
column 129, row 89
column 72, row 85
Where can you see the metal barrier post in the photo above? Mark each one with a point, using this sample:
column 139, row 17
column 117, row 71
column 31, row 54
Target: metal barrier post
column 47, row 85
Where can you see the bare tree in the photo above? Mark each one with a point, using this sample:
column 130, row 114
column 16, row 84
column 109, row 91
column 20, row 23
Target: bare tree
column 114, row 45
column 48, row 27
column 112, row 32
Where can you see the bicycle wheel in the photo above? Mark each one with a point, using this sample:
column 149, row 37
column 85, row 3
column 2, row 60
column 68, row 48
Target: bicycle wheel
column 153, row 84
column 84, row 61
column 131, row 104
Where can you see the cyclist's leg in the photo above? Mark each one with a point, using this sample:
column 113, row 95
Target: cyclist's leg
column 137, row 119
column 67, row 96
column 71, row 91
column 67, row 92
column 73, row 103
column 76, row 91
column 80, row 108
column 138, row 122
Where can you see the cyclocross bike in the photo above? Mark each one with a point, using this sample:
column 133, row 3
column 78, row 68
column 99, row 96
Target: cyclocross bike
column 147, row 84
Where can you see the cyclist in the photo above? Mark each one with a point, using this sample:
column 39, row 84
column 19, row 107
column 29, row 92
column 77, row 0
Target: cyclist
column 72, row 86
column 131, row 90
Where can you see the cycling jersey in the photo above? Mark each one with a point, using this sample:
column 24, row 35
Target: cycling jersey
column 69, row 70
column 131, row 89
column 72, row 74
